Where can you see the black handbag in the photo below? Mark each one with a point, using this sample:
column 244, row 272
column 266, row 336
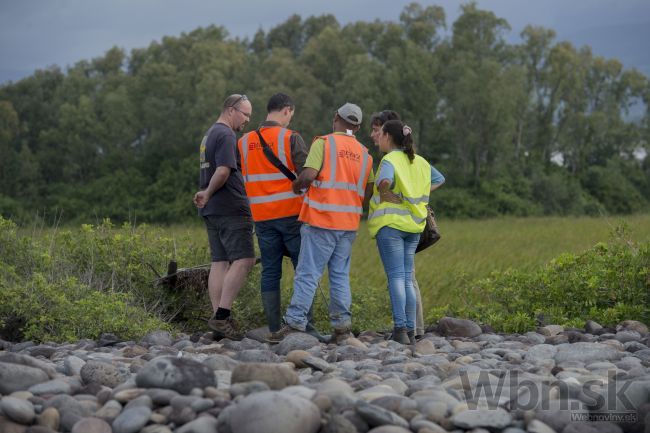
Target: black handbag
column 431, row 233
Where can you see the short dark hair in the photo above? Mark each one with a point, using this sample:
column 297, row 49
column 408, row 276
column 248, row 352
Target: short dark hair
column 383, row 116
column 278, row 101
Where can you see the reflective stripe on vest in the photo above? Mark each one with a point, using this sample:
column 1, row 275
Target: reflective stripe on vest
column 269, row 191
column 271, row 198
column 359, row 187
column 413, row 178
column 326, row 207
column 395, row 211
column 424, row 199
column 334, row 199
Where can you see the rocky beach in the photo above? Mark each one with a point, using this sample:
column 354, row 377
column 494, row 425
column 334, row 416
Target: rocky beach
column 458, row 378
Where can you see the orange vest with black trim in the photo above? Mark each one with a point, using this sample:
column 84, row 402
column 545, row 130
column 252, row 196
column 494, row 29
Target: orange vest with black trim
column 334, row 199
column 268, row 189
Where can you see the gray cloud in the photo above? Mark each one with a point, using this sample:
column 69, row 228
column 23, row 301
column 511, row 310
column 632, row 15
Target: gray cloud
column 38, row 33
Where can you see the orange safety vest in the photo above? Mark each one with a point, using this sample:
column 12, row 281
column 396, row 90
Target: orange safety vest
column 334, row 199
column 269, row 191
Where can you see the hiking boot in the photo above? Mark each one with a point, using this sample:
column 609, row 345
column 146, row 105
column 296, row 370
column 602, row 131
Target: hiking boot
column 411, row 336
column 278, row 336
column 311, row 330
column 340, row 335
column 399, row 335
column 226, row 328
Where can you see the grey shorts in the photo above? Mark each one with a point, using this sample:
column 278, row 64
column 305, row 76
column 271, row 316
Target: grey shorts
column 230, row 237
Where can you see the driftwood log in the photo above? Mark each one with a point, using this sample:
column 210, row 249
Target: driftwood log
column 195, row 277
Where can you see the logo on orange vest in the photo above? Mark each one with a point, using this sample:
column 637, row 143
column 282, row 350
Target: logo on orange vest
column 349, row 155
column 253, row 146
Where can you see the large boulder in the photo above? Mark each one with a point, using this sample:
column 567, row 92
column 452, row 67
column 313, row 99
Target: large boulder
column 276, row 376
column 103, row 373
column 496, row 419
column 157, row 338
column 587, row 352
column 275, row 412
column 451, row 327
column 181, row 375
column 15, row 377
column 296, row 341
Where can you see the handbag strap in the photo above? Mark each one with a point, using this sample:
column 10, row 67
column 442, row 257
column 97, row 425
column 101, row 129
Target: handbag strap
column 268, row 152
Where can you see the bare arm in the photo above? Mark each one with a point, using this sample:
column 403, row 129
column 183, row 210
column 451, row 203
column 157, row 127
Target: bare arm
column 386, row 195
column 435, row 186
column 305, row 178
column 218, row 179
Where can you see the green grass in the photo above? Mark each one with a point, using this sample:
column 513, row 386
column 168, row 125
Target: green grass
column 472, row 249
column 468, row 250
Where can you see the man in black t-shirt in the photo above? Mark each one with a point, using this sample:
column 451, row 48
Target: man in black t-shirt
column 223, row 204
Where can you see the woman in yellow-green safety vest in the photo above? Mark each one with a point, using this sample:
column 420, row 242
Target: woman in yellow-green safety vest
column 397, row 217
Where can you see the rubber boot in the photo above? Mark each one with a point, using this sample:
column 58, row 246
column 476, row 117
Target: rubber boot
column 272, row 306
column 411, row 335
column 399, row 335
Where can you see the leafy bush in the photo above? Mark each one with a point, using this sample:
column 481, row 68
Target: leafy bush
column 607, row 283
column 613, row 189
column 66, row 285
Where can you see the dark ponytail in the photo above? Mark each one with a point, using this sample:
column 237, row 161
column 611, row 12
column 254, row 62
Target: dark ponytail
column 402, row 136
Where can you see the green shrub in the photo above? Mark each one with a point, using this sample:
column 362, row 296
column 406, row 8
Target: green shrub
column 66, row 310
column 607, row 283
column 65, row 286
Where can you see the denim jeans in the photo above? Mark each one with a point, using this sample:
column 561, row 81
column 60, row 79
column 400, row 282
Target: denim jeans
column 397, row 251
column 320, row 247
column 277, row 238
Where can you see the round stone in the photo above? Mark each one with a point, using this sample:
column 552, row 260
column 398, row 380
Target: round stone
column 296, row 341
column 181, row 375
column 103, row 373
column 91, row 425
column 276, row 376
column 15, row 377
column 486, row 418
column 275, row 411
column 49, row 418
column 21, row 411
column 131, row 420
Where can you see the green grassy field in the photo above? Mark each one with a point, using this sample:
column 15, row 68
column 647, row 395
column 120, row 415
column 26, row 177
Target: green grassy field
column 473, row 249
column 95, row 266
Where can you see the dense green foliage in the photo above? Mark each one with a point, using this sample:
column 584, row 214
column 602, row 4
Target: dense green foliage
column 608, row 283
column 117, row 136
column 62, row 287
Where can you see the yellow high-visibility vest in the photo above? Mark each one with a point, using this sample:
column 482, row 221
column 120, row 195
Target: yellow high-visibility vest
column 413, row 184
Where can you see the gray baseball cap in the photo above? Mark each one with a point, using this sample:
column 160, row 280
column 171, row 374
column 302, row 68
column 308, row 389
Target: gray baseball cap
column 351, row 113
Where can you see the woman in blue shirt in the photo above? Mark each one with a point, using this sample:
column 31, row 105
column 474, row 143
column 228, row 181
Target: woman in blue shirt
column 387, row 173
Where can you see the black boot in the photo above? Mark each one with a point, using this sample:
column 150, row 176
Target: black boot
column 399, row 335
column 272, row 305
column 411, row 335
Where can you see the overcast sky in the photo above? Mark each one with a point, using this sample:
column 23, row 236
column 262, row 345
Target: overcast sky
column 37, row 33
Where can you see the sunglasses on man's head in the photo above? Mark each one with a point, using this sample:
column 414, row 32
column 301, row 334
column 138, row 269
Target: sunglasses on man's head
column 238, row 100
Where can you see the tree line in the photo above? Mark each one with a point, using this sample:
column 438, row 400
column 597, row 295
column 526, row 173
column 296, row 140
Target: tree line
column 539, row 127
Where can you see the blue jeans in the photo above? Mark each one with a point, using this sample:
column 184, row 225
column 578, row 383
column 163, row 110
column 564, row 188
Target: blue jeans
column 397, row 251
column 277, row 238
column 320, row 247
